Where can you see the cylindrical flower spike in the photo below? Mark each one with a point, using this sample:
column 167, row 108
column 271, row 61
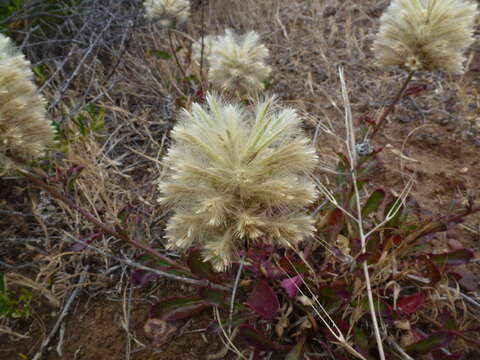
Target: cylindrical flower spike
column 24, row 130
column 236, row 174
column 167, row 12
column 426, row 34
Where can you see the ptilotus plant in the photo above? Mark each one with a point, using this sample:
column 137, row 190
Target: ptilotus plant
column 237, row 63
column 25, row 132
column 426, row 34
column 207, row 48
column 238, row 175
column 168, row 13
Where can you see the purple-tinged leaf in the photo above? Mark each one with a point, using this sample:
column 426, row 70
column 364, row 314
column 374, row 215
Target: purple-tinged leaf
column 291, row 285
column 373, row 202
column 177, row 308
column 201, row 268
column 363, row 257
column 433, row 342
column 293, row 266
column 269, row 270
column 263, row 300
column 433, row 272
column 257, row 339
column 412, row 303
column 213, row 296
column 453, row 258
column 141, row 277
column 297, row 351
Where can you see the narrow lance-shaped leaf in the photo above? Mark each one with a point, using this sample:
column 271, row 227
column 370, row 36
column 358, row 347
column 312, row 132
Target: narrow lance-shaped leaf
column 201, row 268
column 263, row 300
column 373, row 202
column 412, row 303
column 297, row 351
column 394, row 209
column 213, row 296
column 257, row 339
column 453, row 258
column 435, row 341
column 178, row 308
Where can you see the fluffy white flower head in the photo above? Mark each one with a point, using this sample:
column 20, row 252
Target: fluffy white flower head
column 24, row 130
column 237, row 174
column 207, row 48
column 426, row 34
column 167, row 12
column 238, row 62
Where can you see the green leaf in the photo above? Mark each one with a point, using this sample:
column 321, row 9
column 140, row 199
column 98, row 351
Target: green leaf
column 361, row 340
column 373, row 202
column 395, row 208
column 177, row 308
column 257, row 339
column 453, row 258
column 162, row 54
column 201, row 268
column 433, row 342
column 297, row 351
column 341, row 169
column 332, row 298
column 213, row 297
column 3, row 285
column 380, row 306
column 236, row 320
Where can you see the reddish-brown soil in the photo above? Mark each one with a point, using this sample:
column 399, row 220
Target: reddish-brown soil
column 95, row 331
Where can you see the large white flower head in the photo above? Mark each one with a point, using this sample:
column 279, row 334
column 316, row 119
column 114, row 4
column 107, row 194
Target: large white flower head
column 238, row 62
column 426, row 34
column 167, row 12
column 207, row 48
column 237, row 174
column 24, row 130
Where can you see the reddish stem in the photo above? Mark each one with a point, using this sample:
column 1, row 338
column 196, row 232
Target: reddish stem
column 56, row 194
column 390, row 108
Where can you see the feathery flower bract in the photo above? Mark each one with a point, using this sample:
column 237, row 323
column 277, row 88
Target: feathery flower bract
column 426, row 34
column 238, row 62
column 24, row 130
column 237, row 174
column 207, row 48
column 167, row 12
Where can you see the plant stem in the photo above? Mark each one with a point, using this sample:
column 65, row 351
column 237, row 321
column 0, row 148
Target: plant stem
column 368, row 284
column 390, row 108
column 234, row 289
column 56, row 194
column 174, row 53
